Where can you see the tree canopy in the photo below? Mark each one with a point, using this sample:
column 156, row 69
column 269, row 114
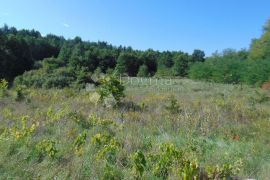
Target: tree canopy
column 46, row 61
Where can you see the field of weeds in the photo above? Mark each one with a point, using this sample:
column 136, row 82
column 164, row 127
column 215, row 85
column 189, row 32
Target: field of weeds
column 163, row 129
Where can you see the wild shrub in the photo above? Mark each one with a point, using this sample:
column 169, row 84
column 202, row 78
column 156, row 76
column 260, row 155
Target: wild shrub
column 19, row 93
column 79, row 119
column 226, row 171
column 189, row 170
column 139, row 163
column 79, row 142
column 173, row 106
column 94, row 120
column 47, row 148
column 111, row 172
column 111, row 86
column 259, row 98
column 100, row 139
column 109, row 151
column 21, row 130
column 164, row 159
column 53, row 115
column 3, row 88
column 107, row 147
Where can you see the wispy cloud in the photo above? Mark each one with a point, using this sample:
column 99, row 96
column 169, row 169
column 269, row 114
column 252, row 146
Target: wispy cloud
column 66, row 25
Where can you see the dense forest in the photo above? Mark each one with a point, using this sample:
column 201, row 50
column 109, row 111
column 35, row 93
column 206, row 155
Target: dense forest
column 30, row 59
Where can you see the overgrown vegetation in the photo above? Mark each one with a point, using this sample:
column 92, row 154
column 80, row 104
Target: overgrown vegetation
column 56, row 62
column 55, row 125
column 208, row 131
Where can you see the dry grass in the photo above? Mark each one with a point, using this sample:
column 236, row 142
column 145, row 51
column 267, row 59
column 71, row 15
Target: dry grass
column 215, row 124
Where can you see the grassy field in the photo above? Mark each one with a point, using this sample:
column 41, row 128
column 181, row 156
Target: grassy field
column 164, row 129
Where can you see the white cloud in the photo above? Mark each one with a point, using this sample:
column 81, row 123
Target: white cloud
column 66, row 25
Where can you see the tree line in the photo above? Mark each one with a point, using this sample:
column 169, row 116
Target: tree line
column 53, row 61
column 245, row 66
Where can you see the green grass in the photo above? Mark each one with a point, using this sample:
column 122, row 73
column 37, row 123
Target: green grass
column 215, row 124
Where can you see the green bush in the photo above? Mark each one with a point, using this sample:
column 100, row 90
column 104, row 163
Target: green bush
column 47, row 148
column 19, row 93
column 256, row 72
column 173, row 106
column 164, row 72
column 3, row 88
column 58, row 78
column 223, row 70
column 143, row 71
column 139, row 163
column 111, row 85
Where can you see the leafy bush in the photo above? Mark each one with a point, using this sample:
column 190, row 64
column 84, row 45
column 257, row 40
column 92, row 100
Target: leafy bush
column 19, row 93
column 256, row 72
column 224, row 70
column 163, row 72
column 164, row 159
column 79, row 142
column 3, row 88
column 173, row 106
column 143, row 71
column 79, row 119
column 201, row 71
column 21, row 130
column 59, row 78
column 139, row 163
column 111, row 172
column 47, row 148
column 226, row 171
column 110, row 85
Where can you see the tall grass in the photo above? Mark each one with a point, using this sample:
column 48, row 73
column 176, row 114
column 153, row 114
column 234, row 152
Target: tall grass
column 171, row 131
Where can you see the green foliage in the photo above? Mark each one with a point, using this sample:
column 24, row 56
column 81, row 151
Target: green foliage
column 139, row 163
column 165, row 60
column 59, row 78
column 19, row 93
column 3, row 88
column 107, row 147
column 53, row 115
column 223, row 70
column 201, row 71
column 143, row 71
column 173, row 106
column 109, row 151
column 180, row 66
column 128, row 63
column 79, row 119
column 256, row 72
column 189, row 170
column 100, row 139
column 62, row 63
column 259, row 98
column 79, row 142
column 164, row 159
column 226, row 171
column 204, row 141
column 163, row 72
column 21, row 130
column 111, row 173
column 260, row 48
column 47, row 148
column 110, row 85
column 20, row 49
column 197, row 56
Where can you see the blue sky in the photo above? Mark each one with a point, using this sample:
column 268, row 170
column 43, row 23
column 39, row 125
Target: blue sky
column 184, row 25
